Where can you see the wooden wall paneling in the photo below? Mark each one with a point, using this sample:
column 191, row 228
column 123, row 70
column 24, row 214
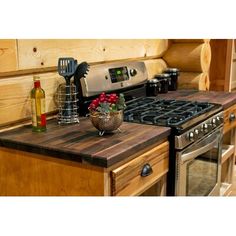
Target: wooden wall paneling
column 191, row 80
column 15, row 96
column 118, row 49
column 44, row 53
column 8, row 55
column 191, row 40
column 189, row 57
column 155, row 66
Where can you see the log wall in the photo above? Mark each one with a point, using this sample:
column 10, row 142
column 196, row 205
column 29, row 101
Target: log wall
column 193, row 58
column 21, row 59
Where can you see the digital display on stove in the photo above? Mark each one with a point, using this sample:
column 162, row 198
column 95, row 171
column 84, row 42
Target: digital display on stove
column 118, row 74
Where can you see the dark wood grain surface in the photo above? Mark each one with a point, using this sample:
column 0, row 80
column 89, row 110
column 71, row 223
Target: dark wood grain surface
column 226, row 99
column 81, row 142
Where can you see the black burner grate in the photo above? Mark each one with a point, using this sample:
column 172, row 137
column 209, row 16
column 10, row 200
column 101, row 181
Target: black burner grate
column 163, row 112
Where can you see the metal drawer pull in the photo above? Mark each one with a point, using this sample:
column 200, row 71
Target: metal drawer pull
column 147, row 170
column 231, row 117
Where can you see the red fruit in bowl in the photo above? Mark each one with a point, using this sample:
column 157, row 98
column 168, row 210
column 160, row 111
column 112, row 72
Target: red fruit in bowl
column 92, row 107
column 102, row 99
column 95, row 104
column 95, row 101
column 102, row 95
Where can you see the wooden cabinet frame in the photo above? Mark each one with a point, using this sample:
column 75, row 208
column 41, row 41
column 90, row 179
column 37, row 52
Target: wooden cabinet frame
column 221, row 64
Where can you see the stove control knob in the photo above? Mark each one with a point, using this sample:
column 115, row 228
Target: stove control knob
column 196, row 133
column 133, row 72
column 191, row 136
column 205, row 128
column 213, row 122
column 219, row 120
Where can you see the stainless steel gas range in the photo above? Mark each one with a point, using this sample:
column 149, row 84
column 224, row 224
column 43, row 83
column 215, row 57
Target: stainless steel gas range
column 195, row 141
column 197, row 127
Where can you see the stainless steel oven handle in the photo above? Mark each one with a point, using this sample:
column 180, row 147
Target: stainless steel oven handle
column 193, row 154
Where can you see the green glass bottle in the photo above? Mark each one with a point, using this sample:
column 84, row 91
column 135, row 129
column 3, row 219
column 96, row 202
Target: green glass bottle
column 38, row 107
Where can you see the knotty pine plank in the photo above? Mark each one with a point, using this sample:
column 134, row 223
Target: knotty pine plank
column 8, row 55
column 44, row 53
column 15, row 96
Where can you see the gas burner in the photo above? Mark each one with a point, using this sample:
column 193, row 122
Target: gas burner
column 171, row 113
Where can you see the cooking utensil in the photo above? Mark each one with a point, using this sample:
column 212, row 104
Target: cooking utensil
column 66, row 68
column 81, row 72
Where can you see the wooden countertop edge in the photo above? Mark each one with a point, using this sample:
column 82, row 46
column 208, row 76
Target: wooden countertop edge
column 83, row 158
column 140, row 146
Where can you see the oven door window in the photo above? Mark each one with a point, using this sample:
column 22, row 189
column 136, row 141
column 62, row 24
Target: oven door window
column 202, row 173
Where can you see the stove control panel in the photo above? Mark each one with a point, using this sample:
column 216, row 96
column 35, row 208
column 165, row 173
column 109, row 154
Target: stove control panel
column 113, row 76
column 199, row 131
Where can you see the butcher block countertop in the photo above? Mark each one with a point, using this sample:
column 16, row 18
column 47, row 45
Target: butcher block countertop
column 226, row 99
column 81, row 142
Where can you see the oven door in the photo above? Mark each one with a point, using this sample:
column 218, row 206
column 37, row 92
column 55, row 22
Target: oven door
column 198, row 167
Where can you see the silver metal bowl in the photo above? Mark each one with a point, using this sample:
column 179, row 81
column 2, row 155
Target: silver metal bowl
column 106, row 122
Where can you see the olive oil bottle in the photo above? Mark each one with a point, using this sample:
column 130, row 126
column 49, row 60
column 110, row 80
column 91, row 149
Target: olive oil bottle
column 38, row 107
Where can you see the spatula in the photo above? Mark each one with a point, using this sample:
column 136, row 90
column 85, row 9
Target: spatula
column 66, row 68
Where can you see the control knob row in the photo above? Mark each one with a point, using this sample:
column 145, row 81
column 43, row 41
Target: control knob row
column 217, row 121
column 193, row 135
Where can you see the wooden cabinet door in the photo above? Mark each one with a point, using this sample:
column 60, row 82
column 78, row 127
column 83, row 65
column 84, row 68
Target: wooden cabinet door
column 127, row 179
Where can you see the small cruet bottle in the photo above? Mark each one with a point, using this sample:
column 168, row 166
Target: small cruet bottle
column 38, row 107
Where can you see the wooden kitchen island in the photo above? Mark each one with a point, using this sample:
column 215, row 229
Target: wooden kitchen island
column 74, row 160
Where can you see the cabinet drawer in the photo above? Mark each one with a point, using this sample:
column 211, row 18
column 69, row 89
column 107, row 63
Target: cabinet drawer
column 127, row 179
column 229, row 118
